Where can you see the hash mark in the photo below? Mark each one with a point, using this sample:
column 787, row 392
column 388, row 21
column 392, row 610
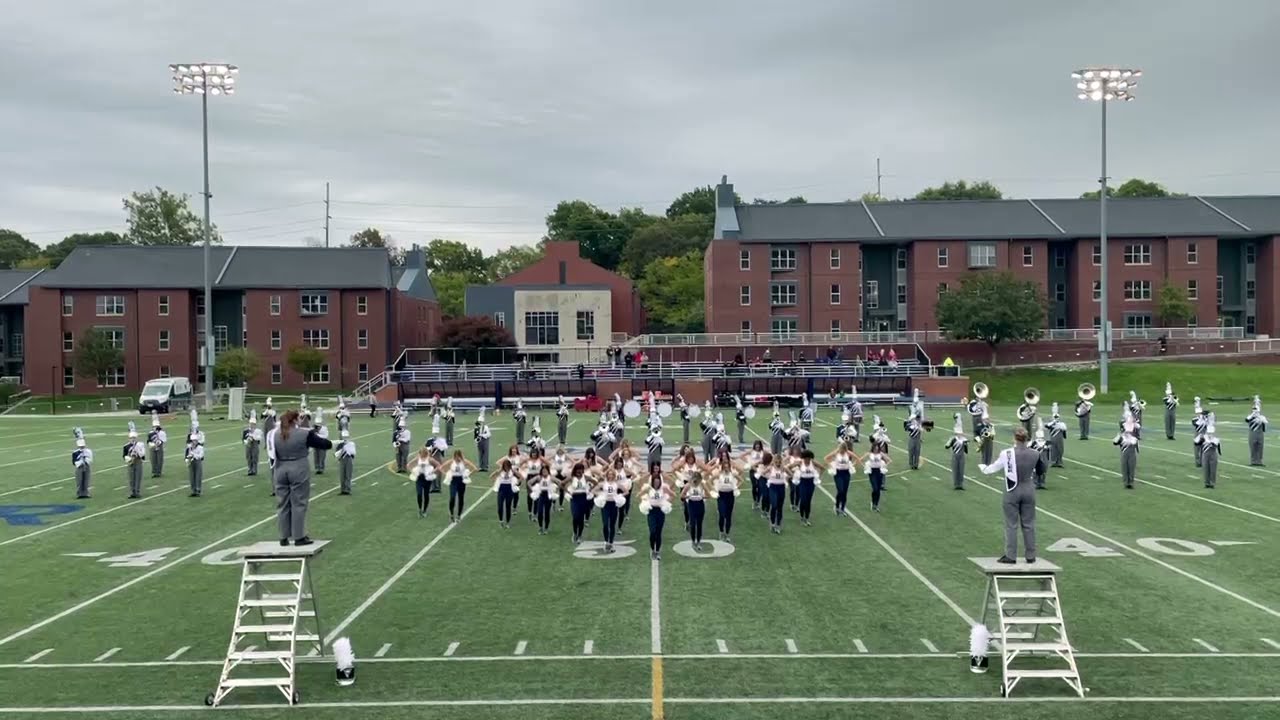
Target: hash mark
column 520, row 646
column 588, row 647
column 722, row 646
column 930, row 646
column 382, row 651
column 791, row 646
column 38, row 655
column 1135, row 644
column 178, row 653
column 859, row 645
column 1271, row 642
column 106, row 654
column 449, row 651
column 1205, row 645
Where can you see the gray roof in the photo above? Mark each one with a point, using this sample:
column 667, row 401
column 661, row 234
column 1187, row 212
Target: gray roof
column 997, row 219
column 14, row 284
column 414, row 282
column 232, row 267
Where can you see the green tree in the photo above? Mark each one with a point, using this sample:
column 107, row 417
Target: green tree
column 665, row 238
column 39, row 262
column 1173, row 307
column 14, row 249
column 159, row 217
column 512, row 260
column 305, row 360
column 698, row 201
column 455, row 257
column 59, row 251
column 598, row 232
column 993, row 307
column 370, row 238
column 794, row 200
column 95, row 354
column 236, row 366
column 451, row 292
column 961, row 190
column 1132, row 188
column 871, row 197
column 476, row 339
column 671, row 291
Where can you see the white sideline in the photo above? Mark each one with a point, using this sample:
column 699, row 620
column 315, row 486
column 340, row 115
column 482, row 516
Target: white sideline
column 655, row 609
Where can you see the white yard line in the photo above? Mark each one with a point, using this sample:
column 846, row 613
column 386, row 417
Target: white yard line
column 588, row 647
column 178, row 653
column 453, row 647
column 59, row 456
column 1271, row 642
column 722, row 647
column 38, row 655
column 1205, row 645
column 1136, row 646
column 382, row 651
column 929, row 646
column 655, row 608
column 862, row 648
column 791, row 646
column 391, row 581
column 521, row 646
column 106, row 654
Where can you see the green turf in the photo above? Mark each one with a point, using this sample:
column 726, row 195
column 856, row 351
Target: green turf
column 1147, row 378
column 890, row 581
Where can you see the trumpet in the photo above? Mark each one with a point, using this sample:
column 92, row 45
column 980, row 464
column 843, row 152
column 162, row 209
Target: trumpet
column 987, row 432
column 1086, row 391
column 980, row 390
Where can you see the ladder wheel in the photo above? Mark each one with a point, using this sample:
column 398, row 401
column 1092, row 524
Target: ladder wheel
column 1004, row 691
column 208, row 699
column 296, row 698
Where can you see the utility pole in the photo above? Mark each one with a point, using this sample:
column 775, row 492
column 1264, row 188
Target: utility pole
column 878, row 195
column 327, row 216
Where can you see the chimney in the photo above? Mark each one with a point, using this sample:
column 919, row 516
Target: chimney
column 724, row 193
column 561, row 249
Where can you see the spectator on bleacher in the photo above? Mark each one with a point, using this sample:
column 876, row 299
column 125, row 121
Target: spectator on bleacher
column 872, row 357
column 893, row 359
column 582, row 371
column 628, row 360
column 768, row 355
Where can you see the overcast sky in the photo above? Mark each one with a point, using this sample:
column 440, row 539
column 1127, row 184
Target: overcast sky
column 470, row 120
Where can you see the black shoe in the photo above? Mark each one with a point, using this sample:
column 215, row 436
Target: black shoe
column 304, row 540
column 194, row 495
column 86, row 497
column 957, row 488
column 134, row 497
column 284, row 542
column 1006, row 560
column 1030, row 560
column 344, row 493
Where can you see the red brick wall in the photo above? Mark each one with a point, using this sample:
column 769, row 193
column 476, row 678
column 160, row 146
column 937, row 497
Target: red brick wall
column 42, row 336
column 818, row 288
column 628, row 316
column 416, row 323
column 1268, row 297
column 725, row 312
column 1204, row 272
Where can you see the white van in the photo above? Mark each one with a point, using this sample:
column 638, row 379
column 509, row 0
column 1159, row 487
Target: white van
column 165, row 395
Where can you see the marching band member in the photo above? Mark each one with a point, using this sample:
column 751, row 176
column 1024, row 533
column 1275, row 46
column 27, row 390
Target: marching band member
column 959, row 447
column 977, row 408
column 535, row 438
column 724, row 484
column 1170, row 410
column 986, row 439
column 1026, row 412
column 321, row 431
column 1084, row 408
column 251, row 436
column 1211, row 450
column 134, row 454
column 82, row 461
column 775, row 474
column 450, row 418
column 848, row 430
column 195, row 464
column 531, row 469
column 603, row 438
column 694, row 495
column 1057, row 439
column 1127, row 441
column 655, row 502
column 346, row 454
column 520, row 416
column 544, row 491
column 343, row 415
column 507, row 486
column 397, row 412
column 778, row 431
column 156, row 440
column 1018, row 463
column 1136, row 407
column 915, row 440
column 608, row 497
column 807, row 477
column 708, row 424
column 373, row 405
column 268, row 418
column 1257, row 429
column 617, row 428
column 684, row 417
column 856, row 413
column 401, row 444
column 1040, row 445
column 917, row 404
column 562, row 420
column 271, row 460
column 195, row 425
column 578, row 488
column 841, row 462
column 720, row 443
column 423, row 472
column 797, row 435
column 806, row 412
column 1199, row 421
column 741, row 414
column 482, row 434
column 436, row 444
column 291, row 476
column 654, row 445
column 875, row 464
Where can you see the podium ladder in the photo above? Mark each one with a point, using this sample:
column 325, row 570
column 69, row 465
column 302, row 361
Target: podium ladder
column 276, row 615
column 1031, row 625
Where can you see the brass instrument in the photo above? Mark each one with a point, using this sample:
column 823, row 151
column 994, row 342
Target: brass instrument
column 1086, row 391
column 927, row 425
column 1031, row 396
column 987, row 433
column 980, row 390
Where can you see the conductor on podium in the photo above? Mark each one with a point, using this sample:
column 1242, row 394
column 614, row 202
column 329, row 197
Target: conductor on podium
column 292, row 476
column 1020, row 465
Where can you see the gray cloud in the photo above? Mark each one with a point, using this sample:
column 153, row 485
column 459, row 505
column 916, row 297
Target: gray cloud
column 471, row 121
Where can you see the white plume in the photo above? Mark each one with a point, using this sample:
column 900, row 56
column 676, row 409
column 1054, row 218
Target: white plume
column 343, row 653
column 979, row 640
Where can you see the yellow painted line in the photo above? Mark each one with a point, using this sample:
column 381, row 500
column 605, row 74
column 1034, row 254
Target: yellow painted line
column 657, row 687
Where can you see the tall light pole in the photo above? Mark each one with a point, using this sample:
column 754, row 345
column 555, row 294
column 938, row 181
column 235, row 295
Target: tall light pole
column 1102, row 85
column 205, row 79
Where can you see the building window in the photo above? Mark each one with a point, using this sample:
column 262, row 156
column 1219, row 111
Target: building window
column 746, row 326
column 781, row 294
column 162, row 305
column 164, row 371
column 902, row 294
column 982, row 255
column 362, row 339
column 68, row 377
column 835, row 326
column 68, row 303
column 220, row 338
column 244, row 338
column 835, row 258
column 276, row 340
column 744, row 260
column 112, row 378
column 1194, row 321
column 277, row 374
column 942, row 289
column 362, row 304
column 321, row 376
column 1250, row 289
column 1028, row 256
column 1193, row 254
column 163, row 344
column 782, row 259
column 362, row 372
column 315, row 304
column 835, row 294
column 115, row 335
column 541, row 328
column 500, row 319
column 68, row 342
column 1250, row 325
column 1060, row 322
column 873, row 295
column 1219, row 290
column 275, row 304
column 1097, row 290
column 586, row 325
column 902, row 258
column 1249, row 254
column 1137, row 254
column 1097, row 322
column 944, row 258
column 1060, row 260
column 744, row 295
column 1097, row 253
column 782, row 327
column 1193, row 289
column 1137, row 289
column 1060, row 292
column 318, row 338
column 1137, row 322
column 110, row 305
column 902, row 326
column 199, row 304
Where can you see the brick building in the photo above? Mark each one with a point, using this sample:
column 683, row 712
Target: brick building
column 561, row 307
column 350, row 302
column 844, row 267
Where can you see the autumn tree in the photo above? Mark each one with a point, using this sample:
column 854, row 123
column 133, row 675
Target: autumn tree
column 993, row 307
column 474, row 338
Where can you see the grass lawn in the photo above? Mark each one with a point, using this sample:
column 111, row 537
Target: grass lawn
column 1216, row 380
column 1170, row 591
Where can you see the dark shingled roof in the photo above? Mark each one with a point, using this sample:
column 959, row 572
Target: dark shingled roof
column 805, row 222
column 14, row 284
column 943, row 219
column 233, row 267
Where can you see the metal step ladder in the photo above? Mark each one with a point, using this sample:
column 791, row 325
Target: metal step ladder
column 276, row 617
column 1024, row 613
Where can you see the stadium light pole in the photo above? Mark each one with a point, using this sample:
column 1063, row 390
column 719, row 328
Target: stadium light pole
column 205, row 79
column 1102, row 85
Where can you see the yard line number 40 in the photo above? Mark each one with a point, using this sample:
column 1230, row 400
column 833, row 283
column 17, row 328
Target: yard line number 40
column 1167, row 546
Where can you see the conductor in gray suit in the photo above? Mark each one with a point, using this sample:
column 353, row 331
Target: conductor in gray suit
column 1020, row 465
column 292, row 476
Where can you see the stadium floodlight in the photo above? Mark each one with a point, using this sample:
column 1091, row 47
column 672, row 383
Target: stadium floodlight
column 1103, row 85
column 205, row 79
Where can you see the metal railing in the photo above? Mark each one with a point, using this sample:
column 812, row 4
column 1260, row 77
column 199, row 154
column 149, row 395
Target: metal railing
column 690, row 370
column 919, row 336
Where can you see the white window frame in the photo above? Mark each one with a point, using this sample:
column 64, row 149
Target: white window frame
column 317, row 338
column 277, row 339
column 68, row 342
column 165, row 371
column 319, row 377
column 745, row 327
column 1137, row 290
column 744, row 259
column 783, row 259
column 982, row 255
column 1097, row 291
column 744, row 295
column 362, row 372
column 1193, row 253
column 162, row 306
column 944, row 257
column 1028, row 256
column 362, row 339
column 109, row 306
column 113, row 378
column 872, row 301
column 835, row 326
column 1193, row 289
column 781, row 292
column 543, row 329
column 835, row 258
column 943, row 288
column 199, row 305
column 1060, row 292
column 68, row 376
column 68, row 305
column 902, row 293
column 793, row 326
column 311, row 304
column 274, row 305
column 163, row 341
column 1137, row 254
column 1096, row 254
column 500, row 319
column 902, row 258
column 362, row 304
column 835, row 293
column 277, row 374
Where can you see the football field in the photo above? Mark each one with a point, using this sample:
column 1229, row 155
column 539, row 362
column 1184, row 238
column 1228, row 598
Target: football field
column 123, row 608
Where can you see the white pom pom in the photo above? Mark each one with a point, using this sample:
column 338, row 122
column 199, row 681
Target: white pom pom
column 979, row 640
column 343, row 653
column 599, row 501
column 644, row 506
